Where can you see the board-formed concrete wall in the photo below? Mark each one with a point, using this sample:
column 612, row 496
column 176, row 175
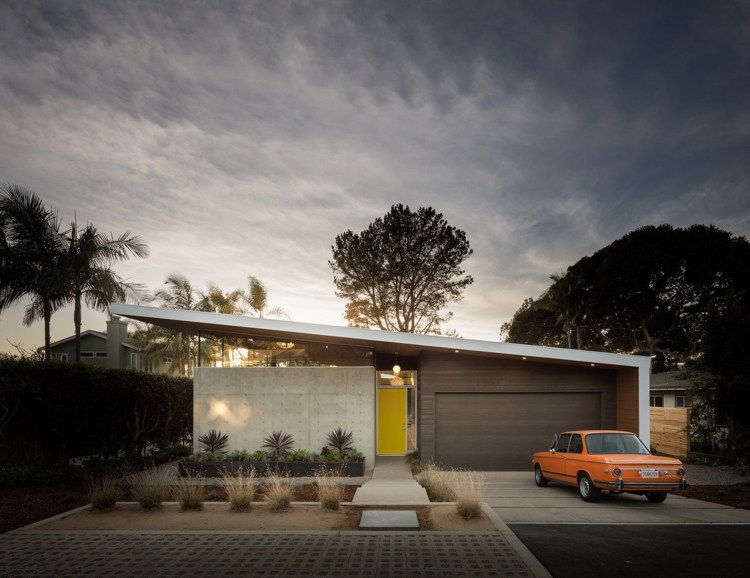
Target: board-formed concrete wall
column 248, row 403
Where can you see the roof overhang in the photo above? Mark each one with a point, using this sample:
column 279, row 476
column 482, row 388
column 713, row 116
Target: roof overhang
column 381, row 342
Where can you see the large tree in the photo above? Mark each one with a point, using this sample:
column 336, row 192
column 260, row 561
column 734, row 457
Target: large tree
column 401, row 272
column 32, row 251
column 88, row 267
column 650, row 291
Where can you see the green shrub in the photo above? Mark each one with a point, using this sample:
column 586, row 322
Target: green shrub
column 258, row 456
column 239, row 456
column 171, row 453
column 300, row 456
column 54, row 421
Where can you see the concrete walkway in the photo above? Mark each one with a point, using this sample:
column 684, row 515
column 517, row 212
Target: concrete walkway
column 392, row 483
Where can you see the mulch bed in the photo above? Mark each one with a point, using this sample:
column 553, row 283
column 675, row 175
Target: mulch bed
column 735, row 495
column 24, row 505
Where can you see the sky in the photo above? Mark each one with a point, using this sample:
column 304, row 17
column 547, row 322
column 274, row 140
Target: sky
column 239, row 138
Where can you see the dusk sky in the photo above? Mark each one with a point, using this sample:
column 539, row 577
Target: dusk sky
column 240, row 138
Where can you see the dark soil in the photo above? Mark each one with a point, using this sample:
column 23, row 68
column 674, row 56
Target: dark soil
column 24, row 505
column 735, row 495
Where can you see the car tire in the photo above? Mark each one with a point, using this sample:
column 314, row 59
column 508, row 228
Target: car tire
column 656, row 497
column 539, row 478
column 589, row 492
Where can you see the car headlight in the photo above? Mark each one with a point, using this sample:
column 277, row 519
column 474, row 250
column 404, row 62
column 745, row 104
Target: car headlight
column 617, row 472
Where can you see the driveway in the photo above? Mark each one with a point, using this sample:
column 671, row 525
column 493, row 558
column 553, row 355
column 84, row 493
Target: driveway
column 516, row 499
column 620, row 535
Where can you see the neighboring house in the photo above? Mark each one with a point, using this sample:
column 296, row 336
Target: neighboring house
column 112, row 349
column 667, row 390
column 464, row 403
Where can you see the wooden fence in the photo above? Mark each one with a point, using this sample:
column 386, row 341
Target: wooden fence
column 670, row 430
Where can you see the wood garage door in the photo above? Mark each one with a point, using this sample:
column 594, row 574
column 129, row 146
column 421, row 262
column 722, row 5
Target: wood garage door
column 500, row 431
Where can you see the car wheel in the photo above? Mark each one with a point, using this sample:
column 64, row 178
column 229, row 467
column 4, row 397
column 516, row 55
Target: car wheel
column 539, row 478
column 656, row 497
column 589, row 492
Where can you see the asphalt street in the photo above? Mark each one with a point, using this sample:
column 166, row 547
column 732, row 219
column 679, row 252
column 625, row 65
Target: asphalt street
column 582, row 551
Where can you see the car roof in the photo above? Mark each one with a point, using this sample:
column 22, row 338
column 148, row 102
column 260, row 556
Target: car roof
column 585, row 432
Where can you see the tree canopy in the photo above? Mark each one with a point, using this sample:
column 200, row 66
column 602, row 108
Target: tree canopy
column 649, row 292
column 401, row 272
column 681, row 296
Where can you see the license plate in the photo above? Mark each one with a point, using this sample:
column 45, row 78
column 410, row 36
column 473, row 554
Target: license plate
column 649, row 473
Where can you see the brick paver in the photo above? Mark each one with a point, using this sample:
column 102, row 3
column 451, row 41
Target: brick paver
column 216, row 554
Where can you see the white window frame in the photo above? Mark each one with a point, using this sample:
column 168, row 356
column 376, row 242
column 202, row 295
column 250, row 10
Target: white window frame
column 61, row 357
column 685, row 401
column 652, row 401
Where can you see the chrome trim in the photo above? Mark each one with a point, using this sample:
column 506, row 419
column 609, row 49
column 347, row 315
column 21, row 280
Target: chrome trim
column 625, row 486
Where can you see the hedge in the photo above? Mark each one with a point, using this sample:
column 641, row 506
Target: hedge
column 51, row 412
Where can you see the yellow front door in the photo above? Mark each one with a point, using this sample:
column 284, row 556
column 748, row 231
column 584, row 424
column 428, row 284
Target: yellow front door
column 391, row 421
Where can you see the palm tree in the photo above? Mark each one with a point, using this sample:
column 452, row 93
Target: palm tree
column 257, row 299
column 91, row 279
column 32, row 251
column 178, row 294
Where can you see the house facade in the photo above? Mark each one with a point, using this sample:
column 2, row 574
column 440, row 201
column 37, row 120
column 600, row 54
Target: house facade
column 112, row 349
column 668, row 390
column 465, row 403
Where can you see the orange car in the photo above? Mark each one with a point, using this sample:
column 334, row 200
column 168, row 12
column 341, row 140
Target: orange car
column 599, row 460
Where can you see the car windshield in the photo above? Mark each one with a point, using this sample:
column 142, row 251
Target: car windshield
column 615, row 443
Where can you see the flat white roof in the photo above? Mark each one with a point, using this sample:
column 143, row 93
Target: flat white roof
column 385, row 342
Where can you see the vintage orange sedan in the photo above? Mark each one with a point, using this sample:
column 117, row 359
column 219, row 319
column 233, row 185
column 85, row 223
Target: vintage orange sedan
column 596, row 460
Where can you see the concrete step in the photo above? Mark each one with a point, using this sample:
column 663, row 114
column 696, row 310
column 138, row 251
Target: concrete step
column 390, row 492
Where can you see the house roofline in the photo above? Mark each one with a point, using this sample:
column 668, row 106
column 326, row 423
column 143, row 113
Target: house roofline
column 385, row 342
column 73, row 337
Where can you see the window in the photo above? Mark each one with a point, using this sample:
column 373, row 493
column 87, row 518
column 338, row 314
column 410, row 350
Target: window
column 101, row 354
column 136, row 361
column 61, row 357
column 656, row 401
column 683, row 401
column 87, row 354
column 562, row 443
column 576, row 444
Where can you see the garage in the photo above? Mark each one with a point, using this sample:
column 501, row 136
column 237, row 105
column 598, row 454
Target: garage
column 500, row 431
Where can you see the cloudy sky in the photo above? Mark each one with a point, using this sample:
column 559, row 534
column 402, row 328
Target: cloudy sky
column 240, row 138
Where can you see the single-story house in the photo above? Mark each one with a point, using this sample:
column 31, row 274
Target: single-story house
column 112, row 349
column 669, row 390
column 464, row 403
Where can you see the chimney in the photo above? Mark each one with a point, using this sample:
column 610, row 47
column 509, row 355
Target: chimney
column 117, row 333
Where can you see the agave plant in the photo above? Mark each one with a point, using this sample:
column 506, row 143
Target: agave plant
column 278, row 444
column 341, row 440
column 214, row 442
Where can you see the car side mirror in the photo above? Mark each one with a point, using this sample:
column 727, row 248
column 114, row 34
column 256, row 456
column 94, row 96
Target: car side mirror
column 552, row 450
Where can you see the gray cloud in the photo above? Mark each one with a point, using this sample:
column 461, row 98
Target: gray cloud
column 241, row 137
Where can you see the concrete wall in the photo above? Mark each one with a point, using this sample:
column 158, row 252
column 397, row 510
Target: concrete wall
column 249, row 403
